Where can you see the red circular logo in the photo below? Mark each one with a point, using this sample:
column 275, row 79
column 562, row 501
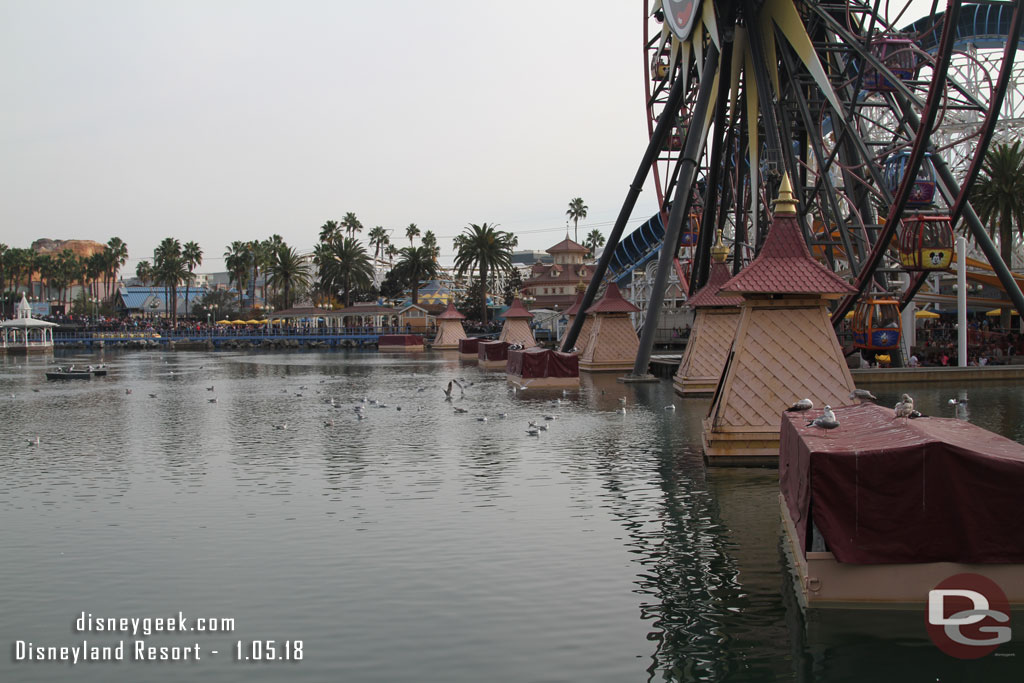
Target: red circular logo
column 968, row 616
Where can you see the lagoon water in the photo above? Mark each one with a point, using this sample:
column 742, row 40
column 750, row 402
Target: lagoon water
column 416, row 544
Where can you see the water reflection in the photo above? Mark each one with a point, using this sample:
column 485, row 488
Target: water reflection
column 419, row 543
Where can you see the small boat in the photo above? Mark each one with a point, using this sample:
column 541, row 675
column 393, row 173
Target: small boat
column 70, row 373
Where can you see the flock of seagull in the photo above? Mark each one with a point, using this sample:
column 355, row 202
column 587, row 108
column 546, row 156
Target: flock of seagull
column 904, row 408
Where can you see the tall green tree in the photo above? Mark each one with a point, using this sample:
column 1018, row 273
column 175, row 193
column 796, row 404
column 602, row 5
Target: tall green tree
column 169, row 270
column 577, row 212
column 412, row 232
column 430, row 242
column 345, row 268
column 192, row 254
column 379, row 239
column 351, row 224
column 238, row 261
column 487, row 249
column 288, row 271
column 330, row 231
column 998, row 196
column 117, row 256
column 416, row 264
column 594, row 241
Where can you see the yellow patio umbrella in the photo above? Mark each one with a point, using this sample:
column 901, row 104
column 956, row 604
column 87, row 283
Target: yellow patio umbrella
column 223, row 322
column 926, row 314
column 238, row 322
column 996, row 312
column 849, row 314
column 255, row 322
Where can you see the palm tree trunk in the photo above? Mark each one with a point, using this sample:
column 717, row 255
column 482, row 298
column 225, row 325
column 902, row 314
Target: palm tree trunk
column 483, row 294
column 1006, row 253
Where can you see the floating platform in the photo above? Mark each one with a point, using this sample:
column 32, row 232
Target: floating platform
column 879, row 510
column 400, row 342
column 493, row 355
column 468, row 348
column 543, row 368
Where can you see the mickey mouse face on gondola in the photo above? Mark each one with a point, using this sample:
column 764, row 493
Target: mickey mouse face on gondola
column 935, row 257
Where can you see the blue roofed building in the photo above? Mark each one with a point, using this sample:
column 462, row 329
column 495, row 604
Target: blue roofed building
column 137, row 300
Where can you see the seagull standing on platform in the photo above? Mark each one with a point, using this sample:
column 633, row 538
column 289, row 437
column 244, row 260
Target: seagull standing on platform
column 826, row 421
column 905, row 408
column 801, row 405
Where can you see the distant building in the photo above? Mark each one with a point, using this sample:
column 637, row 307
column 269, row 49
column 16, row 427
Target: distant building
column 554, row 283
column 528, row 258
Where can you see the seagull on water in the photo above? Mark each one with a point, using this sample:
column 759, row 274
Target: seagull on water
column 621, row 411
column 281, row 426
column 461, row 410
column 670, row 406
column 482, row 419
column 957, row 401
column 209, row 388
column 502, row 415
column 533, row 431
column 826, row 421
column 801, row 405
column 211, row 400
column 328, row 423
column 863, row 395
column 33, row 441
column 550, row 417
column 127, row 391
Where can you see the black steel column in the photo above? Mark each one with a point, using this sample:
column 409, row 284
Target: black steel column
column 680, row 208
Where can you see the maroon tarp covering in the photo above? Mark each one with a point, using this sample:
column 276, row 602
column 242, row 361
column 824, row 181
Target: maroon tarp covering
column 492, row 350
column 881, row 491
column 400, row 340
column 468, row 345
column 537, row 362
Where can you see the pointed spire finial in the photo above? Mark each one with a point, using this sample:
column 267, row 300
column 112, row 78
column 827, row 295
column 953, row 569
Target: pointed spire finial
column 785, row 203
column 719, row 252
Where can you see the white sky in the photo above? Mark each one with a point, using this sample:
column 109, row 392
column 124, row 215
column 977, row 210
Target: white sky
column 219, row 120
column 222, row 120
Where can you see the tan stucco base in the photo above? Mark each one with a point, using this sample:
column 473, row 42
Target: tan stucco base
column 493, row 364
column 822, row 581
column 739, row 448
column 395, row 347
column 694, row 386
column 605, row 367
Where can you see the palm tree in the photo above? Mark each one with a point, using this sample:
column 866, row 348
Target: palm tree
column 998, row 195
column 330, row 231
column 430, row 242
column 487, row 249
column 351, row 224
column 378, row 240
column 118, row 256
column 96, row 265
column 416, row 264
column 192, row 254
column 169, row 270
column 594, row 240
column 348, row 269
column 577, row 211
column 391, row 251
column 238, row 261
column 412, row 232
column 289, row 271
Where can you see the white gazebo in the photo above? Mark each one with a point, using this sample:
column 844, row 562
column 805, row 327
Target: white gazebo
column 25, row 334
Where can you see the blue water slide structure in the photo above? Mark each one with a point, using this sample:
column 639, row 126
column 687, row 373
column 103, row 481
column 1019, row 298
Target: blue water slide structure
column 984, row 26
column 636, row 249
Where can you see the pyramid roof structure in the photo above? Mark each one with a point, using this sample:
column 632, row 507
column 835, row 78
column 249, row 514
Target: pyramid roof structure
column 612, row 302
column 785, row 265
column 516, row 310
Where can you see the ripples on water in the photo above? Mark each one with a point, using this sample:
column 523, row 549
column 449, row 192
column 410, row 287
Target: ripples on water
column 416, row 544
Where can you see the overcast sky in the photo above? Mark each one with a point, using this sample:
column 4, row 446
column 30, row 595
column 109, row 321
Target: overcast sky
column 221, row 120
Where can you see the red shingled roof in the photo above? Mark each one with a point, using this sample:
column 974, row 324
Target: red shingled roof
column 567, row 245
column 708, row 294
column 450, row 313
column 612, row 302
column 785, row 266
column 575, row 308
column 516, row 310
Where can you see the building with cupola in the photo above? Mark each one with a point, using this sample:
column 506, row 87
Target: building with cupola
column 554, row 284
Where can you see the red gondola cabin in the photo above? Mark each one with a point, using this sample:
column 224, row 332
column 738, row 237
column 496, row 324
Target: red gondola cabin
column 876, row 324
column 926, row 243
column 897, row 54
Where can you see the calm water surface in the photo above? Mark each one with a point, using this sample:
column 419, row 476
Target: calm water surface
column 416, row 544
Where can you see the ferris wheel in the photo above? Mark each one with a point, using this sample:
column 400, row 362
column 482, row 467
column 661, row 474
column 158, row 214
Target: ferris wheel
column 879, row 111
